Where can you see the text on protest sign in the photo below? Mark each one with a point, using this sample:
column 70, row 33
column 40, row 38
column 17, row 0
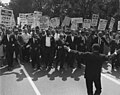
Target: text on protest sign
column 77, row 20
column 102, row 24
column 6, row 17
column 94, row 20
column 87, row 23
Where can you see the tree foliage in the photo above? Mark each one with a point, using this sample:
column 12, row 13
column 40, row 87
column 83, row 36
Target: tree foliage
column 72, row 8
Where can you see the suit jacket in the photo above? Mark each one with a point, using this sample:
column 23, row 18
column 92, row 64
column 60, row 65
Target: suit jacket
column 93, row 62
column 71, row 44
column 43, row 42
column 34, row 45
column 103, row 41
column 10, row 45
column 80, row 44
column 113, row 45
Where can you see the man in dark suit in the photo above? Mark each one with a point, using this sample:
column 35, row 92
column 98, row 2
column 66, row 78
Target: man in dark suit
column 113, row 47
column 48, row 48
column 60, row 52
column 81, row 46
column 71, row 41
column 34, row 44
column 17, row 44
column 9, row 42
column 94, row 61
column 99, row 39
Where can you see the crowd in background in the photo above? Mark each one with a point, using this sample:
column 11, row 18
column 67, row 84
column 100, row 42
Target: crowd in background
column 44, row 49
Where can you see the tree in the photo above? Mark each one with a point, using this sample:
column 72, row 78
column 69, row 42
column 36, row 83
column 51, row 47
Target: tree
column 20, row 6
column 72, row 8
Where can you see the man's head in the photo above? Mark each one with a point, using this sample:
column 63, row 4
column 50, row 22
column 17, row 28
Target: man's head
column 96, row 48
column 15, row 30
column 100, row 34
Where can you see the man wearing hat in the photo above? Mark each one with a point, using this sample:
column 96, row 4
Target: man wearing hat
column 93, row 66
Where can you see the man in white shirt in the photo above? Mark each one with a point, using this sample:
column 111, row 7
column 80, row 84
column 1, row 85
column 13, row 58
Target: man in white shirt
column 25, row 51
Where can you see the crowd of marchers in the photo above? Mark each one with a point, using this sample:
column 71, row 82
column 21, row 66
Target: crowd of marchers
column 44, row 49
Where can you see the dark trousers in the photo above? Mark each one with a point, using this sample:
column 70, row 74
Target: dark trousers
column 35, row 58
column 17, row 53
column 89, row 85
column 9, row 58
column 70, row 60
column 80, row 60
column 48, row 56
column 25, row 54
column 60, row 58
column 113, row 60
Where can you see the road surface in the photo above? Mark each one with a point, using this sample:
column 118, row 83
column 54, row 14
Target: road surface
column 23, row 80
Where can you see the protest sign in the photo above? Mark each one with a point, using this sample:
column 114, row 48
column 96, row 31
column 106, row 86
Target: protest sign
column 102, row 24
column 55, row 22
column 77, row 20
column 44, row 22
column 13, row 23
column 22, row 15
column 30, row 18
column 87, row 23
column 74, row 26
column 111, row 23
column 6, row 17
column 118, row 25
column 23, row 19
column 94, row 20
column 66, row 21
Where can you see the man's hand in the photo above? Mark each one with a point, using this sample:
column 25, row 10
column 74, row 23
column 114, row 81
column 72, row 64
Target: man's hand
column 67, row 48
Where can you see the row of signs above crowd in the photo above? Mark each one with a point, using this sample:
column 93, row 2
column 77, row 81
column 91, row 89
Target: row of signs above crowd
column 36, row 19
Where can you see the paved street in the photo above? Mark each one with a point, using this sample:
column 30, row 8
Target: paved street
column 23, row 80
